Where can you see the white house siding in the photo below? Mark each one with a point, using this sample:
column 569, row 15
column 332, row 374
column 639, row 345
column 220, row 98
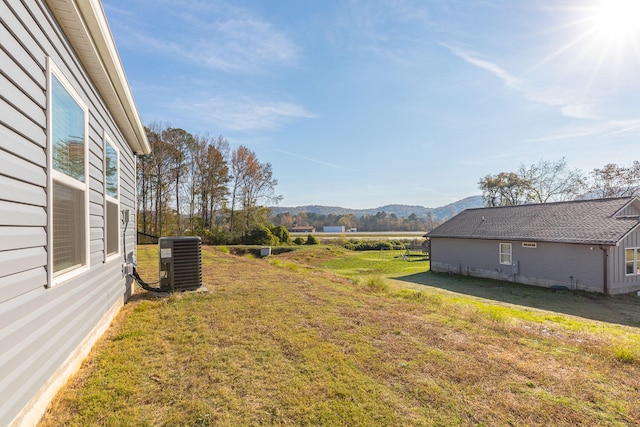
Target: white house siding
column 549, row 264
column 45, row 331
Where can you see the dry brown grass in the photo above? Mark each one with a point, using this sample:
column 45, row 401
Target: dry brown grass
column 286, row 345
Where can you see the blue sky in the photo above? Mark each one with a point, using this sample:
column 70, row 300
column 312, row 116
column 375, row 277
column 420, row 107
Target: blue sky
column 364, row 103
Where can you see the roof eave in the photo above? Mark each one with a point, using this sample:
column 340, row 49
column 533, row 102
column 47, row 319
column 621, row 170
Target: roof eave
column 632, row 200
column 537, row 240
column 85, row 25
column 631, row 230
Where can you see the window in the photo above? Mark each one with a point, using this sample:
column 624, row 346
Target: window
column 531, row 245
column 69, row 222
column 111, row 174
column 505, row 253
column 632, row 261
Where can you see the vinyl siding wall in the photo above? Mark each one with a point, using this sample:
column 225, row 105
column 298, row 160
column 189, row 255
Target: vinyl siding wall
column 41, row 328
column 619, row 282
column 548, row 264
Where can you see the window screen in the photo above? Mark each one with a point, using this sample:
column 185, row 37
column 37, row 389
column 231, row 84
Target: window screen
column 68, row 228
column 112, row 232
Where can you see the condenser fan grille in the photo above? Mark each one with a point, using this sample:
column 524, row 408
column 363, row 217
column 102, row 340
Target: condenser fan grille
column 180, row 263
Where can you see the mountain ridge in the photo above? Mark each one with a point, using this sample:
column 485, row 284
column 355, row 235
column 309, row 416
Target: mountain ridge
column 438, row 214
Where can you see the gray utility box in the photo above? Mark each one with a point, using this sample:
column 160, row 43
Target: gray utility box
column 180, row 263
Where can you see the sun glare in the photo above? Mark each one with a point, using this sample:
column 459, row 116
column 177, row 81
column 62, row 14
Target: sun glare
column 617, row 20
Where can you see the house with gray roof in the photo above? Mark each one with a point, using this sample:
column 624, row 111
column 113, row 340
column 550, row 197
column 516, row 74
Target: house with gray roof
column 69, row 134
column 591, row 245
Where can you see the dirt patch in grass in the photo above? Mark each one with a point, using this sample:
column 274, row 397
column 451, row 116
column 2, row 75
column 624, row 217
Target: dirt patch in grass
column 271, row 344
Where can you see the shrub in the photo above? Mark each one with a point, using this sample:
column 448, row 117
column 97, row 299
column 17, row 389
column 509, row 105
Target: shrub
column 282, row 234
column 261, row 235
column 370, row 245
column 298, row 241
column 312, row 240
column 215, row 237
column 350, row 246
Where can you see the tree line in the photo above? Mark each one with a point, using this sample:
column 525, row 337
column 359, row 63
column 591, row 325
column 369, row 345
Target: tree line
column 196, row 185
column 553, row 181
column 381, row 221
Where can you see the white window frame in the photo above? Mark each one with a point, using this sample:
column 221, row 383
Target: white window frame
column 501, row 252
column 636, row 261
column 529, row 245
column 109, row 142
column 54, row 71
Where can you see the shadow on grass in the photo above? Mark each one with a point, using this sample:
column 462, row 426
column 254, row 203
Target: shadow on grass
column 620, row 309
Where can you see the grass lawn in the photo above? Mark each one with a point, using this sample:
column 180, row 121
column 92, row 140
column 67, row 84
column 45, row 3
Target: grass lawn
column 321, row 336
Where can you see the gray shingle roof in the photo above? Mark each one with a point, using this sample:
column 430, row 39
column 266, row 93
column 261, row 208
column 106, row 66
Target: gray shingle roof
column 598, row 222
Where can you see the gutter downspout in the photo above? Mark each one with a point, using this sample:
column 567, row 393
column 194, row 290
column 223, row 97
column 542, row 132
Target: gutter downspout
column 605, row 284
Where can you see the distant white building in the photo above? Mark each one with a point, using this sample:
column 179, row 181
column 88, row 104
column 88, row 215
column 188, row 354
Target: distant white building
column 302, row 229
column 333, row 229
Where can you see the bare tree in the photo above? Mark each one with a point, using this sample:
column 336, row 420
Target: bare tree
column 543, row 182
column 552, row 181
column 242, row 161
column 616, row 181
column 258, row 185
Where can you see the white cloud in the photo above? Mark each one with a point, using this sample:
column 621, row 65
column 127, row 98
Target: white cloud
column 310, row 159
column 578, row 111
column 597, row 131
column 553, row 98
column 228, row 39
column 244, row 44
column 243, row 113
column 377, row 26
column 494, row 69
column 624, row 126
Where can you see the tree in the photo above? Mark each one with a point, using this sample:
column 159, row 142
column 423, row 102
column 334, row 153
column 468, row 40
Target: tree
column 178, row 141
column 160, row 160
column 503, row 189
column 242, row 160
column 543, row 182
column 282, row 234
column 143, row 188
column 347, row 220
column 552, row 181
column 213, row 175
column 616, row 181
column 252, row 181
column 190, row 173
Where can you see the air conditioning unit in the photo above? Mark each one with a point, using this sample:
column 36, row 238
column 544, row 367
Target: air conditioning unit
column 180, row 263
